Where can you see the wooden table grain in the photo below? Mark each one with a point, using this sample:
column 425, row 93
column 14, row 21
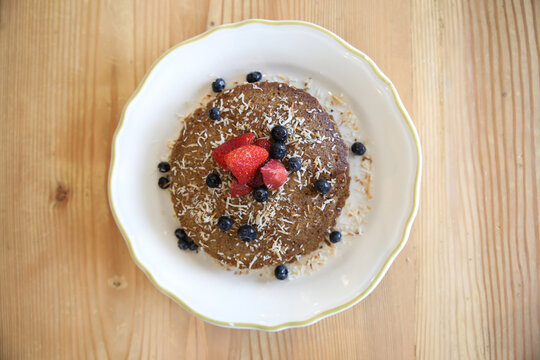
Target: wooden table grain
column 466, row 285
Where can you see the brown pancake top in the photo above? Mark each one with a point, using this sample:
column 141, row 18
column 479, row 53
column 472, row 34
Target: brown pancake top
column 295, row 219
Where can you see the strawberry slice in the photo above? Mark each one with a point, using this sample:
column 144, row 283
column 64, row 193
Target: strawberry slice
column 274, row 174
column 257, row 180
column 219, row 153
column 244, row 162
column 264, row 143
column 238, row 190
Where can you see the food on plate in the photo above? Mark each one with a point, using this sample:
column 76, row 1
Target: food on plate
column 259, row 176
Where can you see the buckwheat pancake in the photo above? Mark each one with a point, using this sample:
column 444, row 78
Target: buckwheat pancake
column 296, row 219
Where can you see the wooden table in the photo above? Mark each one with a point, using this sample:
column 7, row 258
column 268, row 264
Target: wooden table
column 465, row 287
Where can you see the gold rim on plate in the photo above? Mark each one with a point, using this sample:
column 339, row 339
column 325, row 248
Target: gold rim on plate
column 375, row 281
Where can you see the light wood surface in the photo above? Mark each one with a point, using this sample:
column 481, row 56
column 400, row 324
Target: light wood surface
column 466, row 285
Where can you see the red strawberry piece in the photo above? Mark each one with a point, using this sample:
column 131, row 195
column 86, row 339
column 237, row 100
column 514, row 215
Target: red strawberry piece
column 274, row 174
column 238, row 190
column 264, row 143
column 219, row 153
column 257, row 180
column 244, row 162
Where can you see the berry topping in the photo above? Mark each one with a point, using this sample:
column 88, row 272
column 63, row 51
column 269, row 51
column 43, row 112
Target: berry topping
column 278, row 150
column 335, row 237
column 281, row 272
column 192, row 245
column 219, row 153
column 254, row 77
column 358, row 148
column 247, row 233
column 180, row 234
column 213, row 180
column 218, row 85
column 164, row 167
column 224, row 223
column 322, row 186
column 183, row 244
column 183, row 239
column 260, row 194
column 279, row 133
column 294, row 164
column 274, row 174
column 238, row 190
column 257, row 180
column 244, row 162
column 214, row 113
column 164, row 182
column 265, row 144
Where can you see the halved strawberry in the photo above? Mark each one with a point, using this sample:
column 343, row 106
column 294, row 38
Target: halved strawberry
column 219, row 153
column 264, row 143
column 274, row 174
column 244, row 162
column 238, row 190
column 257, row 180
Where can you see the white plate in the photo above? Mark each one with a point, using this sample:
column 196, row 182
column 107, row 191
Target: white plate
column 174, row 84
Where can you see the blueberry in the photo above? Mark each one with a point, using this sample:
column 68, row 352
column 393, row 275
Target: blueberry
column 335, row 236
column 247, row 233
column 279, row 133
column 294, row 164
column 224, row 223
column 213, row 180
column 278, row 150
column 358, row 148
column 260, row 194
column 218, row 85
column 164, row 167
column 192, row 245
column 183, row 240
column 214, row 113
column 281, row 272
column 180, row 234
column 164, row 182
column 183, row 244
column 322, row 186
column 254, row 77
